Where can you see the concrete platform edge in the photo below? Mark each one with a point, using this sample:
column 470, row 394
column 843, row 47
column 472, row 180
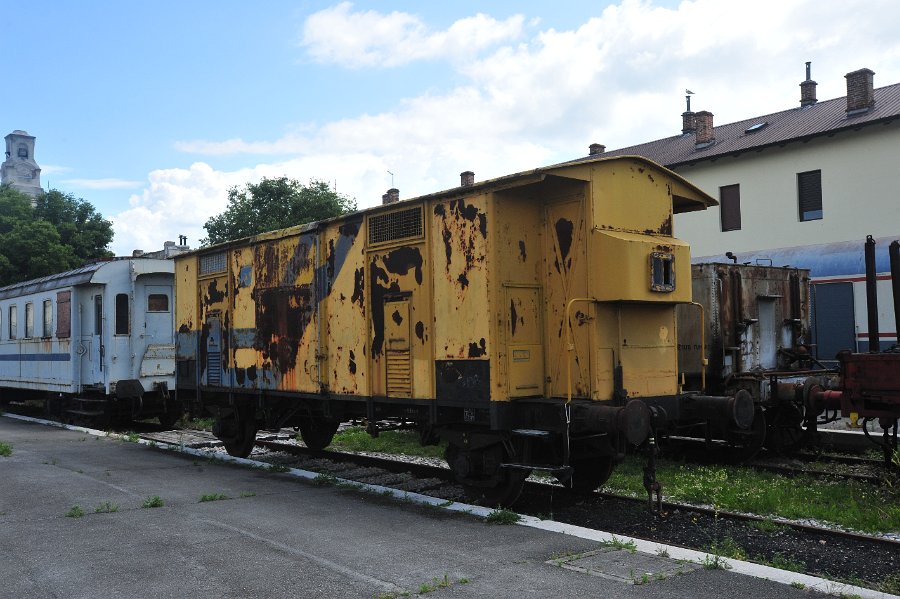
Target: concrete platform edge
column 647, row 547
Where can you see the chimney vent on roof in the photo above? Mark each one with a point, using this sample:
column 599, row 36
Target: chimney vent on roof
column 705, row 135
column 392, row 196
column 596, row 149
column 467, row 179
column 137, row 253
column 688, row 118
column 808, row 89
column 860, row 90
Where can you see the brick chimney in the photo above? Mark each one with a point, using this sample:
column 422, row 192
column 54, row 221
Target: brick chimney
column 467, row 179
column 808, row 89
column 596, row 149
column 704, row 132
column 860, row 91
column 393, row 195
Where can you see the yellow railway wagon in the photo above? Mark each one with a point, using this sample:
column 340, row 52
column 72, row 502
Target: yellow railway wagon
column 517, row 319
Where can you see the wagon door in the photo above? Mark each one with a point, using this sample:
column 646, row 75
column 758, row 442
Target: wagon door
column 92, row 358
column 397, row 347
column 523, row 335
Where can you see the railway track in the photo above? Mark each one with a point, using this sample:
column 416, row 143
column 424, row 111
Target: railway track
column 798, row 546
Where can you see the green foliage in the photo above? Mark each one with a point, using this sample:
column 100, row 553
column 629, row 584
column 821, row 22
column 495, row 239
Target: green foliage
column 59, row 233
column 396, row 442
column 274, row 204
column 714, row 562
column 502, row 516
column 131, row 437
column 728, row 547
column 853, row 504
column 106, row 508
column 213, row 497
column 786, row 562
column 5, row 450
column 154, row 501
column 617, row 543
column 75, row 512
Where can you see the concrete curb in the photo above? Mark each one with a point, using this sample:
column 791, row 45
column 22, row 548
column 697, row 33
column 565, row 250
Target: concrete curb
column 648, row 547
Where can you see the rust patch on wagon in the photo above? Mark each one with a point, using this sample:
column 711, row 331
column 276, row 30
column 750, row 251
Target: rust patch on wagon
column 352, row 364
column 461, row 224
column 282, row 316
column 420, row 331
column 522, row 254
column 403, row 259
column 213, row 295
column 476, row 350
column 513, row 317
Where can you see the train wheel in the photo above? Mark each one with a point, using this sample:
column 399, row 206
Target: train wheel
column 171, row 416
column 784, row 428
column 747, row 443
column 589, row 473
column 237, row 432
column 482, row 476
column 317, row 433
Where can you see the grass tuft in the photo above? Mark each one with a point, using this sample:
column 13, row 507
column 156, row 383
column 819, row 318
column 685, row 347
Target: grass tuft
column 106, row 508
column 714, row 562
column 213, row 497
column 131, row 437
column 75, row 512
column 617, row 543
column 153, row 501
column 5, row 450
column 502, row 516
column 727, row 547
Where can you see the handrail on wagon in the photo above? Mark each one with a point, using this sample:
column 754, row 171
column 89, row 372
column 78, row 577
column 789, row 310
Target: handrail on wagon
column 703, row 359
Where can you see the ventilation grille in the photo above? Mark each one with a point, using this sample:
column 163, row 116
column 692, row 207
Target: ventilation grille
column 399, row 374
column 211, row 263
column 401, row 224
column 214, row 369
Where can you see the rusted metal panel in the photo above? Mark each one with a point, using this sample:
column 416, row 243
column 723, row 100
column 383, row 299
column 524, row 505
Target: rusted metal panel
column 756, row 317
column 344, row 314
column 460, row 238
column 566, row 278
column 399, row 273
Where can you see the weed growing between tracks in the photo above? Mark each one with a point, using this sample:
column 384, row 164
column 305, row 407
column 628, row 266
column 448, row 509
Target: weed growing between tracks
column 397, row 442
column 851, row 504
column 213, row 497
column 502, row 516
column 154, row 501
column 5, row 450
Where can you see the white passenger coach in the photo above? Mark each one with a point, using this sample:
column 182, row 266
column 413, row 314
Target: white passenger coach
column 95, row 343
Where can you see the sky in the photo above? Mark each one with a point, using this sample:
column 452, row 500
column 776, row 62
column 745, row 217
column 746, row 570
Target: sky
column 151, row 111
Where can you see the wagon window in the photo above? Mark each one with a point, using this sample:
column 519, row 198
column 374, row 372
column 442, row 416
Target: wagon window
column 98, row 314
column 13, row 322
column 29, row 320
column 157, row 302
column 63, row 314
column 662, row 271
column 122, row 314
column 48, row 319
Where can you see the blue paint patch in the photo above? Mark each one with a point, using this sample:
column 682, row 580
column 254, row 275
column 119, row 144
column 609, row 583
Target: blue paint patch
column 35, row 358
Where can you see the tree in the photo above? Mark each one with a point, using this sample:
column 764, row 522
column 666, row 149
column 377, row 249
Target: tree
column 274, row 204
column 58, row 233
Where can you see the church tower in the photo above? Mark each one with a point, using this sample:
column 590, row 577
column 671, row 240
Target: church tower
column 19, row 170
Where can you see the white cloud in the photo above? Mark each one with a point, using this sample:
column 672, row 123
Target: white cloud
column 618, row 79
column 102, row 183
column 52, row 169
column 369, row 38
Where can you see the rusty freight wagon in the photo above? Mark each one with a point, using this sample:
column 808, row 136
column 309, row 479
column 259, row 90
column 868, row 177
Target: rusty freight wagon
column 517, row 319
column 755, row 335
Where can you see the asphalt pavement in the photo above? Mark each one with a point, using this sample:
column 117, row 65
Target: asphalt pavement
column 272, row 535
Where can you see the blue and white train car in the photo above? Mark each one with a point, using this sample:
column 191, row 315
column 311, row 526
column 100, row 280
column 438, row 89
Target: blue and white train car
column 95, row 342
column 838, row 292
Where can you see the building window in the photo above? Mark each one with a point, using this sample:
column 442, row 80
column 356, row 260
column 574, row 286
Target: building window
column 662, row 271
column 29, row 320
column 809, row 195
column 157, row 302
column 48, row 319
column 730, row 207
column 122, row 314
column 63, row 314
column 13, row 322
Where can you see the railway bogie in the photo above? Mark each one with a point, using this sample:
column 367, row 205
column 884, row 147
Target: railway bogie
column 528, row 321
